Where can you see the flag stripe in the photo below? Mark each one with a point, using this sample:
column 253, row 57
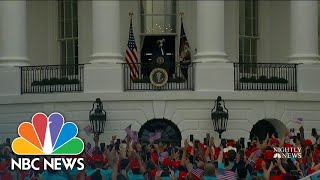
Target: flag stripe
column 132, row 66
column 132, row 61
column 226, row 174
column 87, row 130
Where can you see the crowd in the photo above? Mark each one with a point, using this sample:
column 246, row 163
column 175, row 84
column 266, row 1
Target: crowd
column 195, row 160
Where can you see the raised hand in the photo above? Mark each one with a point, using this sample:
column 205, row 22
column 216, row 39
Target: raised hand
column 113, row 138
column 115, row 158
column 301, row 129
column 158, row 175
column 176, row 155
column 172, row 176
column 211, row 142
column 279, row 162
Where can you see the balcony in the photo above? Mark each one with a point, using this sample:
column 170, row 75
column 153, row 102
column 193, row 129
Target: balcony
column 52, row 78
column 265, row 76
column 70, row 78
column 176, row 77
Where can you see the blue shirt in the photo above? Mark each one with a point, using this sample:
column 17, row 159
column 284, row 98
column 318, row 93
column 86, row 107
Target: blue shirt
column 73, row 172
column 221, row 165
column 166, row 178
column 210, row 178
column 132, row 176
column 57, row 176
column 176, row 174
column 107, row 174
column 259, row 174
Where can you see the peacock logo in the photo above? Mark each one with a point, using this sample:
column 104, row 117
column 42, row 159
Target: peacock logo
column 47, row 136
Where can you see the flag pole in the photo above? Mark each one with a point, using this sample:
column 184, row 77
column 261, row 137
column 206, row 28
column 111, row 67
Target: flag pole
column 181, row 15
column 130, row 15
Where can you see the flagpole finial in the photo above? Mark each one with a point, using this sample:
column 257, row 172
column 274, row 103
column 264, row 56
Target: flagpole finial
column 181, row 14
column 131, row 14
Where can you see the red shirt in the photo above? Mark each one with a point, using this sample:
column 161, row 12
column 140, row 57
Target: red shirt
column 278, row 177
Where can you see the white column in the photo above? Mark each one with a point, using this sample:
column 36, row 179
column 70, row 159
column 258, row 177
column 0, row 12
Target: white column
column 210, row 31
column 13, row 33
column 211, row 57
column 304, row 31
column 106, row 32
column 105, row 73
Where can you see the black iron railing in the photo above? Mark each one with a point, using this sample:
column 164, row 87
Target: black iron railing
column 265, row 76
column 52, row 78
column 180, row 77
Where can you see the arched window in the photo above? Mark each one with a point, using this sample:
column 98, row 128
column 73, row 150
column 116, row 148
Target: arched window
column 268, row 126
column 170, row 133
column 261, row 129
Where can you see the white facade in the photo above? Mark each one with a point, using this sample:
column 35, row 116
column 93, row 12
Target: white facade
column 274, row 29
column 212, row 27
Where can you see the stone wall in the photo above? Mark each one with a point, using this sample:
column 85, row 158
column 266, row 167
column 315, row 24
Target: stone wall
column 191, row 115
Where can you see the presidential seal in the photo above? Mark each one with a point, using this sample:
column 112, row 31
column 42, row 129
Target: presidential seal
column 158, row 77
column 160, row 60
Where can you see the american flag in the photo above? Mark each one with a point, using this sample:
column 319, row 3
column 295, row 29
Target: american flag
column 297, row 120
column 154, row 137
column 132, row 54
column 197, row 172
column 226, row 174
column 128, row 130
column 90, row 151
column 163, row 155
column 88, row 130
column 134, row 136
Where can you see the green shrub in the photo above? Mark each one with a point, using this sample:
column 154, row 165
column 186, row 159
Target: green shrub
column 263, row 79
column 55, row 81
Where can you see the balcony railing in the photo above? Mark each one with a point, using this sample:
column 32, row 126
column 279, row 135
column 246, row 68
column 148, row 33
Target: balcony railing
column 52, row 78
column 179, row 77
column 265, row 76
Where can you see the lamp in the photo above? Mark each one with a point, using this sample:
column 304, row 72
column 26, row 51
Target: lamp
column 97, row 117
column 220, row 116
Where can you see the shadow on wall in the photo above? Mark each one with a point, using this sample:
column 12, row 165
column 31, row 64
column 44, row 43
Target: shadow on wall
column 267, row 126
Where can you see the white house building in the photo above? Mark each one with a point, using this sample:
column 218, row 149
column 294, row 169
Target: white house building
column 261, row 57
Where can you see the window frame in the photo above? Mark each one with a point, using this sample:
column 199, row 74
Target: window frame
column 64, row 39
column 248, row 43
column 142, row 34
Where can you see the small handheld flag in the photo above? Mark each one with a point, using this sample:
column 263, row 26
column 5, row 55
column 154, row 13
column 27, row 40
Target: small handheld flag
column 297, row 120
column 88, row 130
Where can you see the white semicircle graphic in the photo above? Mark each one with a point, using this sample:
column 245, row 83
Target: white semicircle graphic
column 47, row 147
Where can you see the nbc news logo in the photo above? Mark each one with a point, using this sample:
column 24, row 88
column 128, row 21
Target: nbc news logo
column 48, row 136
column 287, row 152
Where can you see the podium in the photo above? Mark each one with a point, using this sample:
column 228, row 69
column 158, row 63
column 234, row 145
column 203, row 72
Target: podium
column 159, row 74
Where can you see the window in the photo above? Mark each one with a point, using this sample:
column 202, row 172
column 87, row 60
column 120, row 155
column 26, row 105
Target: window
column 158, row 21
column 170, row 133
column 319, row 25
column 68, row 31
column 248, row 31
column 158, row 16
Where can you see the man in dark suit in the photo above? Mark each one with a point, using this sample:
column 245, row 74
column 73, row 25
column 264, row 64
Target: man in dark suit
column 157, row 52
